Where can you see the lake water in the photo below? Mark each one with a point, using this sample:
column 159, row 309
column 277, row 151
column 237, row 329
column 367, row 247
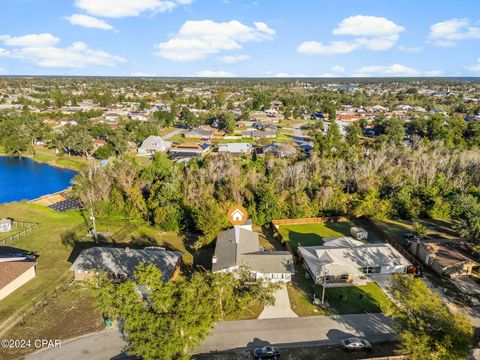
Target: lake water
column 24, row 179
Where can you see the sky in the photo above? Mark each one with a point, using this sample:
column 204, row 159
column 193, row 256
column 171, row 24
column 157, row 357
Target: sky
column 240, row 38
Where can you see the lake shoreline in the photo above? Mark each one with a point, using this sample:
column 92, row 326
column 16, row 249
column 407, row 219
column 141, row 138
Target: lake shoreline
column 24, row 179
column 55, row 161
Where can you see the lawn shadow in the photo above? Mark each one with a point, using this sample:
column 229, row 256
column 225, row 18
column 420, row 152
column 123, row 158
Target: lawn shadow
column 340, row 227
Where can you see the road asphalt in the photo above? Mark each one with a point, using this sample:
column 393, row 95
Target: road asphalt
column 300, row 139
column 240, row 335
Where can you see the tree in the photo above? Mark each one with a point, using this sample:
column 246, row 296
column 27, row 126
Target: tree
column 168, row 319
column 428, row 328
column 466, row 213
column 420, row 230
column 395, row 130
column 354, row 132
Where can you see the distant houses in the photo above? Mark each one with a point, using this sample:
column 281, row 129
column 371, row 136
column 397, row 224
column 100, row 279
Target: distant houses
column 189, row 150
column 120, row 263
column 236, row 148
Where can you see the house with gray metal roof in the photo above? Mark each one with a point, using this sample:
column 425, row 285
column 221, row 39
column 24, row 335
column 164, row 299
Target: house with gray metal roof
column 120, row 263
column 236, row 148
column 239, row 247
column 346, row 260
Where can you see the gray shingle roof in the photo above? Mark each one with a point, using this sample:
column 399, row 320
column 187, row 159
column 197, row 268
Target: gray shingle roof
column 122, row 261
column 247, row 253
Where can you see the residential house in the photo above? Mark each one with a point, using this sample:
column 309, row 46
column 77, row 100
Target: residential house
column 15, row 271
column 239, row 248
column 282, row 150
column 5, row 225
column 152, row 145
column 236, row 148
column 200, row 133
column 259, row 134
column 120, row 263
column 346, row 260
column 348, row 117
column 445, row 256
column 189, row 150
column 317, row 116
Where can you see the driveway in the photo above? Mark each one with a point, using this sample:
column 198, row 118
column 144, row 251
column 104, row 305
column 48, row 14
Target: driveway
column 298, row 137
column 281, row 309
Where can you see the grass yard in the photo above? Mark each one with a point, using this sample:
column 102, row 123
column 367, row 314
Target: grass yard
column 149, row 236
column 67, row 313
column 436, row 228
column 49, row 156
column 355, row 299
column 312, row 234
column 300, row 292
column 52, row 264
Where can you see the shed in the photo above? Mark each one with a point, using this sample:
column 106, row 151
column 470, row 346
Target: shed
column 359, row 233
column 5, row 225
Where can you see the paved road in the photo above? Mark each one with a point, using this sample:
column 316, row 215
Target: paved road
column 300, row 331
column 300, row 139
column 239, row 335
column 103, row 345
column 172, row 133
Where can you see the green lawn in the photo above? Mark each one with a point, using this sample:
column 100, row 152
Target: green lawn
column 52, row 264
column 355, row 299
column 312, row 234
column 49, row 156
column 300, row 293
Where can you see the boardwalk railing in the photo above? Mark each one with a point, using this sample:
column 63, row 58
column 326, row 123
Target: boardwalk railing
column 25, row 228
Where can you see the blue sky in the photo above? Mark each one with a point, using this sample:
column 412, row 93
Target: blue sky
column 240, row 38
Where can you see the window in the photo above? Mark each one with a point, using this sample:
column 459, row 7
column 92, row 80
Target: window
column 344, row 277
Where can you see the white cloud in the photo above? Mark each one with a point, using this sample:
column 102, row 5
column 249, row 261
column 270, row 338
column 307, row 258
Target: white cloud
column 231, row 59
column 411, row 50
column 392, row 70
column 198, row 39
column 370, row 32
column 44, row 39
column 261, row 26
column 335, row 71
column 373, row 26
column 475, row 67
column 214, row 73
column 124, row 8
column 448, row 32
column 40, row 50
column 334, row 47
column 88, row 22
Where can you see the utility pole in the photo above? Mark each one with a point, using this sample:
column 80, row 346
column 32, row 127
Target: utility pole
column 94, row 226
column 324, row 283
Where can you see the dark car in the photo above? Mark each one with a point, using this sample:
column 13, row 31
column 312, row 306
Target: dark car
column 266, row 352
column 356, row 345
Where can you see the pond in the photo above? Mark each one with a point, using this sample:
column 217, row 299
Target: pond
column 22, row 178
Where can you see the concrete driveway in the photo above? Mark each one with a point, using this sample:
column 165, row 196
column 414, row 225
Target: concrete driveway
column 281, row 309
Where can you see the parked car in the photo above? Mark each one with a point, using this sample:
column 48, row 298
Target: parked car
column 356, row 345
column 266, row 352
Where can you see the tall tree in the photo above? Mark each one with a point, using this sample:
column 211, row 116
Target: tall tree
column 428, row 329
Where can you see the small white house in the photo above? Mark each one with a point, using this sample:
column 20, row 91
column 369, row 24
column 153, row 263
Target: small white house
column 5, row 225
column 152, row 145
column 359, row 233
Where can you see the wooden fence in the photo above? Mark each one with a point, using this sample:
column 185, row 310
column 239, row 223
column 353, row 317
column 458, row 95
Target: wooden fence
column 324, row 220
column 26, row 228
column 310, row 220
